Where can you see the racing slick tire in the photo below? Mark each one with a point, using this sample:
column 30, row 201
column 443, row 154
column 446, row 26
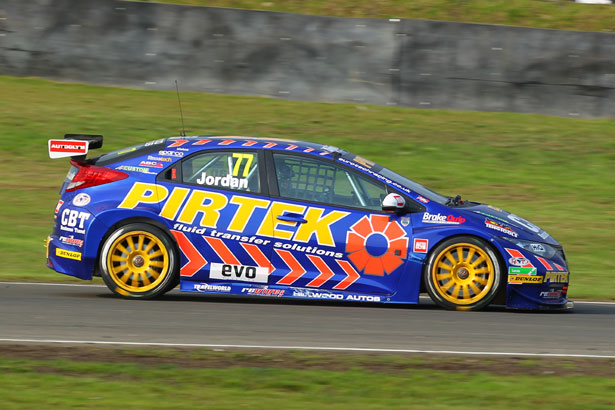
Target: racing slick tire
column 139, row 261
column 463, row 273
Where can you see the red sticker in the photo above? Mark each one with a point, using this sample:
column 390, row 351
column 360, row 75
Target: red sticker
column 421, row 245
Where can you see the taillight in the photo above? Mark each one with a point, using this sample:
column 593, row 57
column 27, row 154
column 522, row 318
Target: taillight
column 91, row 175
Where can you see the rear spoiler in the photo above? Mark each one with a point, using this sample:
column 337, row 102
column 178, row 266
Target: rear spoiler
column 74, row 145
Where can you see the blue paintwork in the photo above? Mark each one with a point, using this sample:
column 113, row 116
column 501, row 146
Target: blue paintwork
column 401, row 285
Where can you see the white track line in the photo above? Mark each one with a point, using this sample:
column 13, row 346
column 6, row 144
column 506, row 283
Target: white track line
column 345, row 349
column 52, row 284
column 103, row 286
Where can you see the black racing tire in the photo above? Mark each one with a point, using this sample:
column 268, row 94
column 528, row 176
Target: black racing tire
column 463, row 273
column 139, row 260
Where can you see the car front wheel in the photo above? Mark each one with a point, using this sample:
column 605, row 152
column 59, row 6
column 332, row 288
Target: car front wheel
column 463, row 273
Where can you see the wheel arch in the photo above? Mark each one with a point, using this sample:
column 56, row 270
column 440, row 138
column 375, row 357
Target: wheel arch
column 145, row 219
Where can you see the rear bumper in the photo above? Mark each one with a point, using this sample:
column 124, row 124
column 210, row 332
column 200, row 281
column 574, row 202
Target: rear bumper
column 69, row 260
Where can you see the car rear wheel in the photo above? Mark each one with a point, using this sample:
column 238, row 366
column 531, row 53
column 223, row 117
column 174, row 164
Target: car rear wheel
column 139, row 261
column 463, row 273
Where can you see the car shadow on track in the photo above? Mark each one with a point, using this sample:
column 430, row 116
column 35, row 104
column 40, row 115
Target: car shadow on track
column 177, row 297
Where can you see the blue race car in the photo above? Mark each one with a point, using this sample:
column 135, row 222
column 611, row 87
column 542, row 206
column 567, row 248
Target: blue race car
column 282, row 218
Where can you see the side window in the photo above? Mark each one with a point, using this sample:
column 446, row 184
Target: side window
column 223, row 169
column 311, row 179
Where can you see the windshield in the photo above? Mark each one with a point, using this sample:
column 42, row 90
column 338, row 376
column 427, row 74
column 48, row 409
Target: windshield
column 414, row 186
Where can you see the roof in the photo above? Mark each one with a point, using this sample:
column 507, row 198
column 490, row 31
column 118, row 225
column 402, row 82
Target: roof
column 233, row 141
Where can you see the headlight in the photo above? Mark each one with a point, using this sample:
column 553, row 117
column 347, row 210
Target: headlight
column 537, row 248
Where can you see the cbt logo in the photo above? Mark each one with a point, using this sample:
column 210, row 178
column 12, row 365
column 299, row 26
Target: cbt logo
column 73, row 221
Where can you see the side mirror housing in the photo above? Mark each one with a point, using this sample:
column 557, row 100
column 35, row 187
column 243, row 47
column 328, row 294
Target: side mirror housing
column 393, row 203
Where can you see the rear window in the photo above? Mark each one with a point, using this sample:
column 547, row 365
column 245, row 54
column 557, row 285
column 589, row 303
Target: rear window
column 130, row 152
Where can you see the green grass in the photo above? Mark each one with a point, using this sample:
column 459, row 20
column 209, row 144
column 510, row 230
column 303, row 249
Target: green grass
column 556, row 172
column 63, row 384
column 553, row 14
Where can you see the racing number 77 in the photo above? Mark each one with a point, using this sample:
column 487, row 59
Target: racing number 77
column 249, row 158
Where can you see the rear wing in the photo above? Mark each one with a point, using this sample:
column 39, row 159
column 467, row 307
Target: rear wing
column 74, row 145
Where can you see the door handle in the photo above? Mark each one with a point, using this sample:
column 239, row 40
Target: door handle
column 292, row 217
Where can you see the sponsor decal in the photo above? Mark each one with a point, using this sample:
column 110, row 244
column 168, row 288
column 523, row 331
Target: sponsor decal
column 67, row 148
column 441, row 219
column 203, row 209
column 404, row 220
column 377, row 245
column 149, row 144
column 522, row 271
column 552, row 294
column 305, row 293
column 126, row 151
column 556, row 277
column 306, row 249
column 171, row 153
column 243, row 273
column 70, row 240
column 264, row 292
column 516, row 261
column 501, row 228
column 374, row 174
column 526, row 224
column 492, row 217
column 228, row 181
column 536, row 247
column 517, row 254
column 159, row 159
column 524, row 279
column 73, row 221
column 317, row 295
column 81, row 200
column 58, row 206
column 134, row 169
column 422, row 199
column 421, row 245
column 152, row 164
column 206, row 287
column 363, row 161
column 363, row 298
column 63, row 253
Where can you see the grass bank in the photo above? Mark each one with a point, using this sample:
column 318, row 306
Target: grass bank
column 557, row 172
column 553, row 14
column 196, row 378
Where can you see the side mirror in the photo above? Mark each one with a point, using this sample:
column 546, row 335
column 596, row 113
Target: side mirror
column 393, row 203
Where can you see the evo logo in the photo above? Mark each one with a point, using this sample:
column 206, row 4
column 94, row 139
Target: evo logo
column 242, row 273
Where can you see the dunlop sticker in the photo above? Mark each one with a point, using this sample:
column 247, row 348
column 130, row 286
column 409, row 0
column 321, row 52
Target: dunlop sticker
column 63, row 253
column 524, row 279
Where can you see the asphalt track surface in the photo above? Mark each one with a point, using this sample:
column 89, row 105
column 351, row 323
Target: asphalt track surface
column 91, row 314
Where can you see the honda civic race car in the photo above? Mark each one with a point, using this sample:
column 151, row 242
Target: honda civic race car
column 292, row 219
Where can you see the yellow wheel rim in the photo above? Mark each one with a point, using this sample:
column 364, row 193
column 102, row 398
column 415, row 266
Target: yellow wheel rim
column 138, row 261
column 463, row 274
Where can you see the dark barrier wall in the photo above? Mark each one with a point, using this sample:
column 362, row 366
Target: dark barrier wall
column 413, row 63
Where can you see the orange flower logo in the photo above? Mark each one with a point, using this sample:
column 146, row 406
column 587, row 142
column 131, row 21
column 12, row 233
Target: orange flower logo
column 376, row 245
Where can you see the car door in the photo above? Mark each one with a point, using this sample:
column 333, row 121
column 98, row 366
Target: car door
column 329, row 230
column 215, row 200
